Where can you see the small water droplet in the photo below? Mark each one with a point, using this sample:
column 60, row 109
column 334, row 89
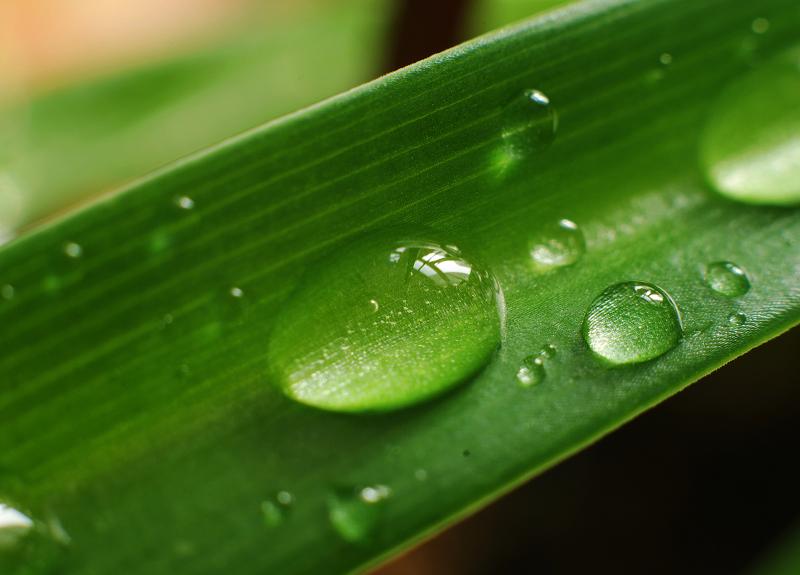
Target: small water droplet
column 665, row 59
column 438, row 324
column 375, row 306
column 275, row 509
column 737, row 318
column 727, row 278
column 759, row 25
column 557, row 245
column 355, row 513
column 548, row 351
column 530, row 123
column 73, row 250
column 421, row 475
column 236, row 292
column 167, row 320
column 184, row 202
column 531, row 372
column 7, row 292
column 632, row 322
column 749, row 146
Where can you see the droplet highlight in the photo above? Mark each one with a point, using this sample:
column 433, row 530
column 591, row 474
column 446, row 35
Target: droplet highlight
column 354, row 513
column 438, row 322
column 530, row 123
column 750, row 147
column 631, row 322
column 557, row 245
column 73, row 250
column 727, row 279
column 184, row 202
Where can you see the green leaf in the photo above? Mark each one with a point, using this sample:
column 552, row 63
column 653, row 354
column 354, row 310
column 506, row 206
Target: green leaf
column 141, row 415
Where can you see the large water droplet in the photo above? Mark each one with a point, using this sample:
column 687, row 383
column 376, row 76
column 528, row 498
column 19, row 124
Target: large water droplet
column 355, row 513
column 727, row 278
column 632, row 322
column 436, row 324
column 530, row 123
column 750, row 147
column 557, row 245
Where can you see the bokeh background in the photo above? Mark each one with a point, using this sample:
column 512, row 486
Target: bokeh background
column 94, row 93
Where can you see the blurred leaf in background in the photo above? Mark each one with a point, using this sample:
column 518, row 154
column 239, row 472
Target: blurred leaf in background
column 147, row 84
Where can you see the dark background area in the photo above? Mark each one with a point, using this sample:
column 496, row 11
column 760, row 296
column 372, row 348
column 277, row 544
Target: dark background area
column 704, row 483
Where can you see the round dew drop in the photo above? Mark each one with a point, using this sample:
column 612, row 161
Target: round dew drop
column 530, row 123
column 436, row 323
column 355, row 513
column 631, row 322
column 727, row 279
column 532, row 371
column 557, row 245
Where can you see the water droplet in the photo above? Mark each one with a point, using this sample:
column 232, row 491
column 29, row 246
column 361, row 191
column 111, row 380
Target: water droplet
column 548, row 351
column 7, row 292
column 749, row 148
column 531, row 372
column 375, row 305
column 236, row 292
column 73, row 250
column 167, row 320
column 665, row 59
column 275, row 509
column 466, row 453
column 438, row 324
column 759, row 25
column 737, row 318
column 530, row 123
column 184, row 202
column 632, row 322
column 727, row 278
column 421, row 475
column 557, row 245
column 355, row 513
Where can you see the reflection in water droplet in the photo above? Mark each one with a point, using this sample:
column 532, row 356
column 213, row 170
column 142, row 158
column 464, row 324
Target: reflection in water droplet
column 375, row 305
column 727, row 278
column 632, row 322
column 355, row 513
column 530, row 123
column 531, row 372
column 73, row 250
column 29, row 546
column 737, row 318
column 750, row 148
column 438, row 324
column 557, row 245
column 275, row 509
column 7, row 292
column 759, row 25
column 14, row 526
column 236, row 292
column 184, row 202
column 665, row 58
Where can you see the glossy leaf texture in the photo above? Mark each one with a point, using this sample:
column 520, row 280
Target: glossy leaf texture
column 140, row 414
